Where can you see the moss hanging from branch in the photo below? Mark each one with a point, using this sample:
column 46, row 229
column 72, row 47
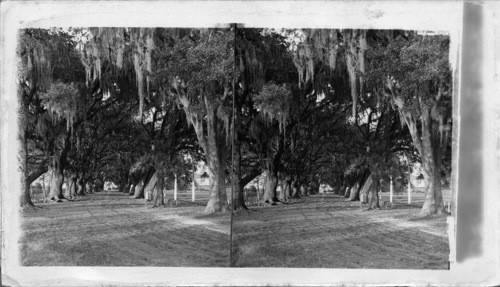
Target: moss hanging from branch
column 34, row 66
column 274, row 103
column 318, row 46
column 322, row 46
column 61, row 100
column 110, row 47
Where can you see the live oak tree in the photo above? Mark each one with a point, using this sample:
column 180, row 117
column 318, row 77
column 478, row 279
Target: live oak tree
column 265, row 78
column 153, row 64
column 415, row 74
column 43, row 57
column 411, row 70
column 199, row 69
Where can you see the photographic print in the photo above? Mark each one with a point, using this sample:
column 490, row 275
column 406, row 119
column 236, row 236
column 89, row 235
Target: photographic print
column 117, row 125
column 345, row 148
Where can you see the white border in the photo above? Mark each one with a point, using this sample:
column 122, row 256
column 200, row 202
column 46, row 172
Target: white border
column 417, row 15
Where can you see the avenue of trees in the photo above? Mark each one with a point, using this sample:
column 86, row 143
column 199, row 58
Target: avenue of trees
column 140, row 106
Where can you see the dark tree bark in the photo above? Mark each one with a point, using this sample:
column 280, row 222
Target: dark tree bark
column 74, row 186
column 70, row 187
column 339, row 186
column 139, row 190
column 89, row 187
column 57, row 168
column 286, row 187
column 347, row 191
column 314, row 188
column 373, row 200
column 238, row 183
column 273, row 165
column 23, row 154
column 354, row 193
column 81, row 187
column 131, row 190
column 295, row 189
column 99, row 185
column 23, row 100
column 158, row 198
column 366, row 188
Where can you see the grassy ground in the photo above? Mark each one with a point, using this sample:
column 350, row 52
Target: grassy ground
column 324, row 231
column 111, row 229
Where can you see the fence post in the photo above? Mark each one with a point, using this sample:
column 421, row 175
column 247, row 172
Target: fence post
column 175, row 187
column 409, row 193
column 192, row 192
column 391, row 191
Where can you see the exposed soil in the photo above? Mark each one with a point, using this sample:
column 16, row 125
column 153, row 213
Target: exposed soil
column 324, row 231
column 111, row 229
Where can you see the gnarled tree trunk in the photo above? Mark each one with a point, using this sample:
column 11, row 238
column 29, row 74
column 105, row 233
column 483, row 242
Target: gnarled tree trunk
column 139, row 190
column 366, row 188
column 238, row 183
column 89, row 188
column 347, row 191
column 271, row 183
column 80, row 187
column 158, row 198
column 131, row 190
column 286, row 187
column 25, row 199
column 431, row 154
column 429, row 142
column 56, row 191
column 295, row 189
column 373, row 195
column 70, row 187
column 214, row 144
column 353, row 192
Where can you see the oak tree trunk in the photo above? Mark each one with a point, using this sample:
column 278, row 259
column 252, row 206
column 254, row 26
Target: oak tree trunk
column 217, row 201
column 347, row 191
column 238, row 183
column 431, row 154
column 46, row 190
column 286, row 187
column 365, row 189
column 25, row 199
column 295, row 189
column 56, row 191
column 354, row 194
column 70, row 187
column 80, row 187
column 271, row 182
column 211, row 132
column 304, row 191
column 373, row 195
column 131, row 190
column 139, row 190
column 158, row 198
column 89, row 187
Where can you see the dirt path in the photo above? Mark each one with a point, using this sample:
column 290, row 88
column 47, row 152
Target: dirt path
column 325, row 231
column 111, row 229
